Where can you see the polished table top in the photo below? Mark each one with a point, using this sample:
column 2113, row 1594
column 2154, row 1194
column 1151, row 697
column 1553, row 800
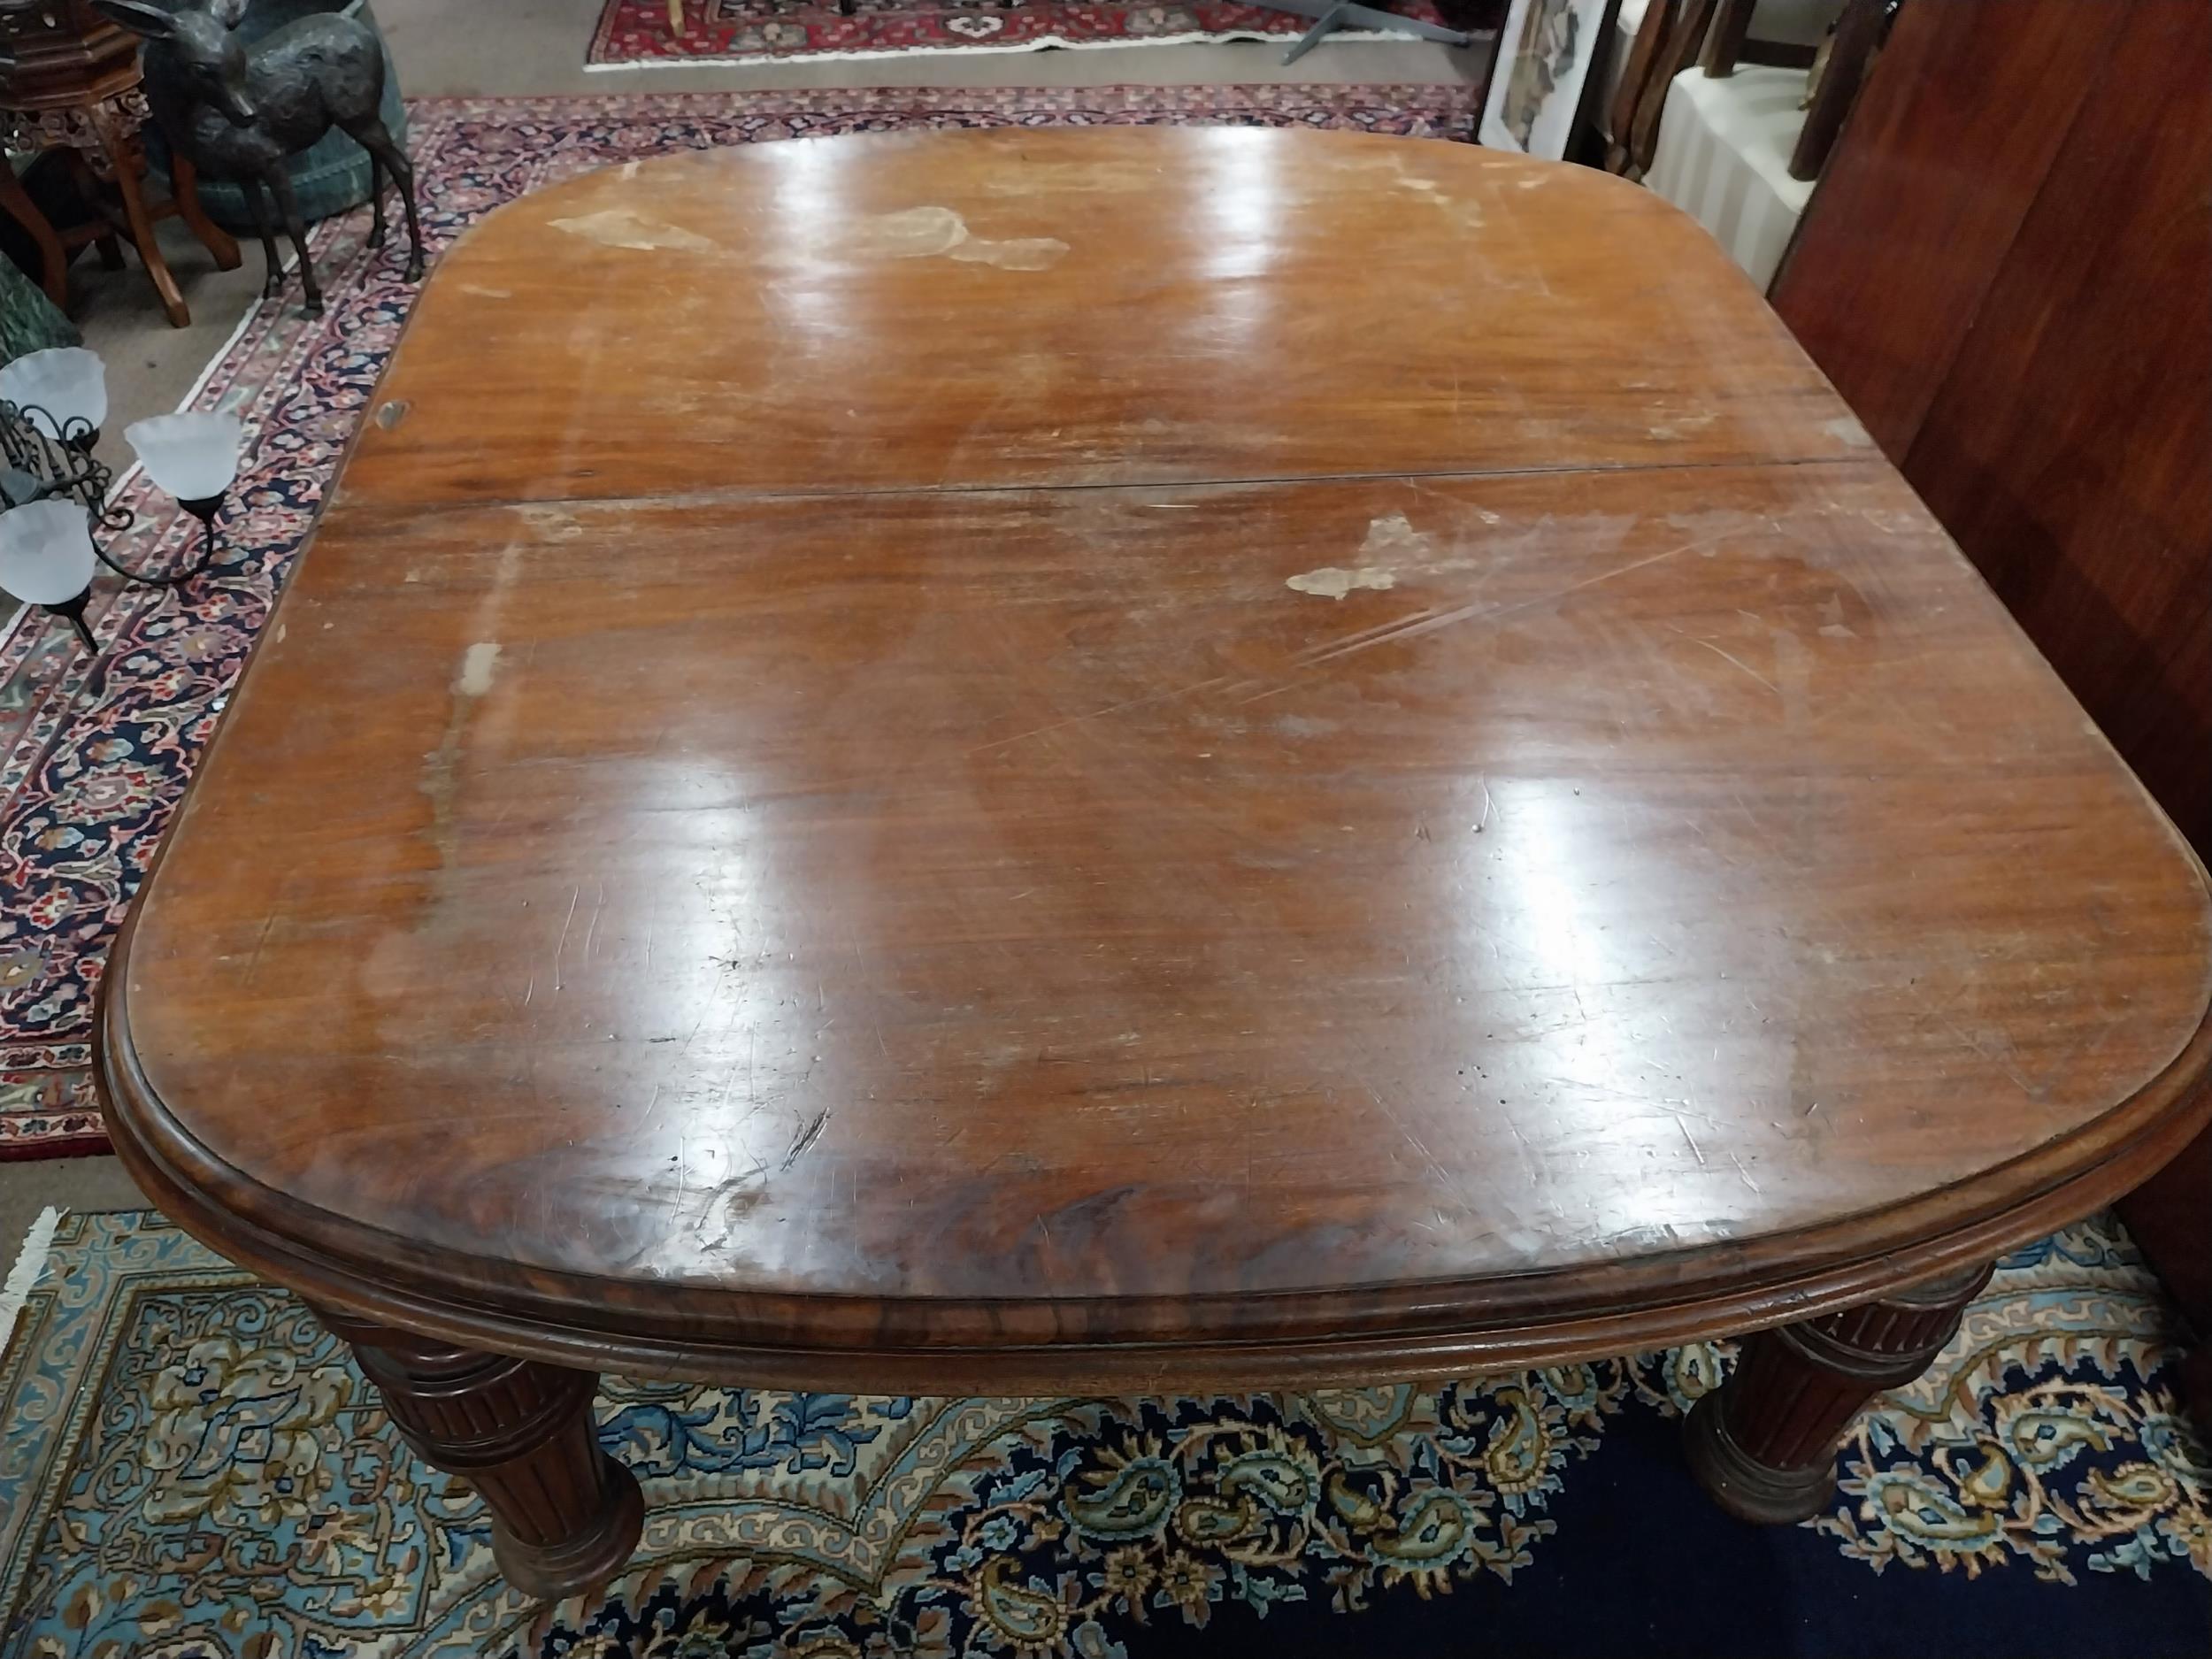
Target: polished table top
column 1023, row 756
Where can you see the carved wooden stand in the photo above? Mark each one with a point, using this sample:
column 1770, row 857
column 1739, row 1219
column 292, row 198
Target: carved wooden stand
column 1763, row 1445
column 69, row 79
column 565, row 1515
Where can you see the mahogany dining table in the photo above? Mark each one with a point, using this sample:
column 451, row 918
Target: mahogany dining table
column 1134, row 759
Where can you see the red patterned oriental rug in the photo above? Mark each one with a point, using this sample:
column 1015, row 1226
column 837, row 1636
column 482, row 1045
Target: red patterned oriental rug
column 95, row 751
column 643, row 32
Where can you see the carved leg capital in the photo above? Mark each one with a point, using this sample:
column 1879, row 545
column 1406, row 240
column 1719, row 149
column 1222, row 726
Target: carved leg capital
column 565, row 1515
column 1763, row 1444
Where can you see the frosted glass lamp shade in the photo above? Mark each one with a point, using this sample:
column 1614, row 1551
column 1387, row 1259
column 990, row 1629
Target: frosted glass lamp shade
column 194, row 456
column 46, row 552
column 66, row 384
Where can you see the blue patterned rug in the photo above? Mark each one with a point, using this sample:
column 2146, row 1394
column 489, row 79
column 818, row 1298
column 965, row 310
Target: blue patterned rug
column 194, row 1470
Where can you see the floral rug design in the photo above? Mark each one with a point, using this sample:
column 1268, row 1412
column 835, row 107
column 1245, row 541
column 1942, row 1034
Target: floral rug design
column 194, row 1470
column 95, row 752
column 632, row 33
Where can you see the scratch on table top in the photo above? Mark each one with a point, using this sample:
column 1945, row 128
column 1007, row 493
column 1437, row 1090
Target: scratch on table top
column 598, row 906
column 562, row 942
column 1435, row 1166
column 1097, row 714
column 807, row 1137
column 1736, row 661
column 262, row 939
column 1429, row 622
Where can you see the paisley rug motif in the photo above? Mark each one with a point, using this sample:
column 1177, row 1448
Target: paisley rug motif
column 633, row 34
column 95, row 752
column 195, row 1470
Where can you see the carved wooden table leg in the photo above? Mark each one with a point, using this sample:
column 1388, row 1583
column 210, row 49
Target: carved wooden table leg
column 1763, row 1445
column 565, row 1515
column 16, row 202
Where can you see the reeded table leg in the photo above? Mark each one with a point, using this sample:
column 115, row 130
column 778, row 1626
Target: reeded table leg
column 1763, row 1445
column 565, row 1515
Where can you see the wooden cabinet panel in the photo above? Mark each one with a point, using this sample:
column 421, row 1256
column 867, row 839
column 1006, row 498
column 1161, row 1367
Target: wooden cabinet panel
column 2070, row 448
column 2008, row 274
column 1945, row 150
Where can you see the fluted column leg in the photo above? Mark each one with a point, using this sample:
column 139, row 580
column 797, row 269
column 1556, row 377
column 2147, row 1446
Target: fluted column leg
column 1763, row 1444
column 565, row 1515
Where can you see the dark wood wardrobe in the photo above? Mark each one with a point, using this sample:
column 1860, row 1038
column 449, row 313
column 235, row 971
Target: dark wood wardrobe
column 2007, row 272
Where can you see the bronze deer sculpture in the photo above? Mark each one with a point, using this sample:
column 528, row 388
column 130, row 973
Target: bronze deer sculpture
column 240, row 114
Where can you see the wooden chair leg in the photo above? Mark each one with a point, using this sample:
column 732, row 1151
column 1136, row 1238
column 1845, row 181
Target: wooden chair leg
column 53, row 258
column 128, row 162
column 1858, row 32
column 1635, row 79
column 184, row 185
column 1684, row 42
column 675, row 17
column 1723, row 42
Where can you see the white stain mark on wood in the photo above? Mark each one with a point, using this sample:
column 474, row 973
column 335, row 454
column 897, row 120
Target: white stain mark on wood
column 1467, row 213
column 928, row 233
column 1845, row 429
column 1394, row 537
column 1332, row 581
column 479, row 663
column 482, row 292
column 913, row 233
column 1025, row 253
column 472, row 681
column 554, row 523
column 1392, row 541
column 626, row 228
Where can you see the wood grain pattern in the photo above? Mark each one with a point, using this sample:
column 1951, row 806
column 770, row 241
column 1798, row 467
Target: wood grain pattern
column 1948, row 145
column 2008, row 273
column 2070, row 447
column 1029, row 884
column 1220, row 295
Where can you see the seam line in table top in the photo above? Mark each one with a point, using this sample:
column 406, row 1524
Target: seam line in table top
column 819, row 492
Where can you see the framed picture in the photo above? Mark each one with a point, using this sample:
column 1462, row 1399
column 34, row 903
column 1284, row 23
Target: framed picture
column 1545, row 51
